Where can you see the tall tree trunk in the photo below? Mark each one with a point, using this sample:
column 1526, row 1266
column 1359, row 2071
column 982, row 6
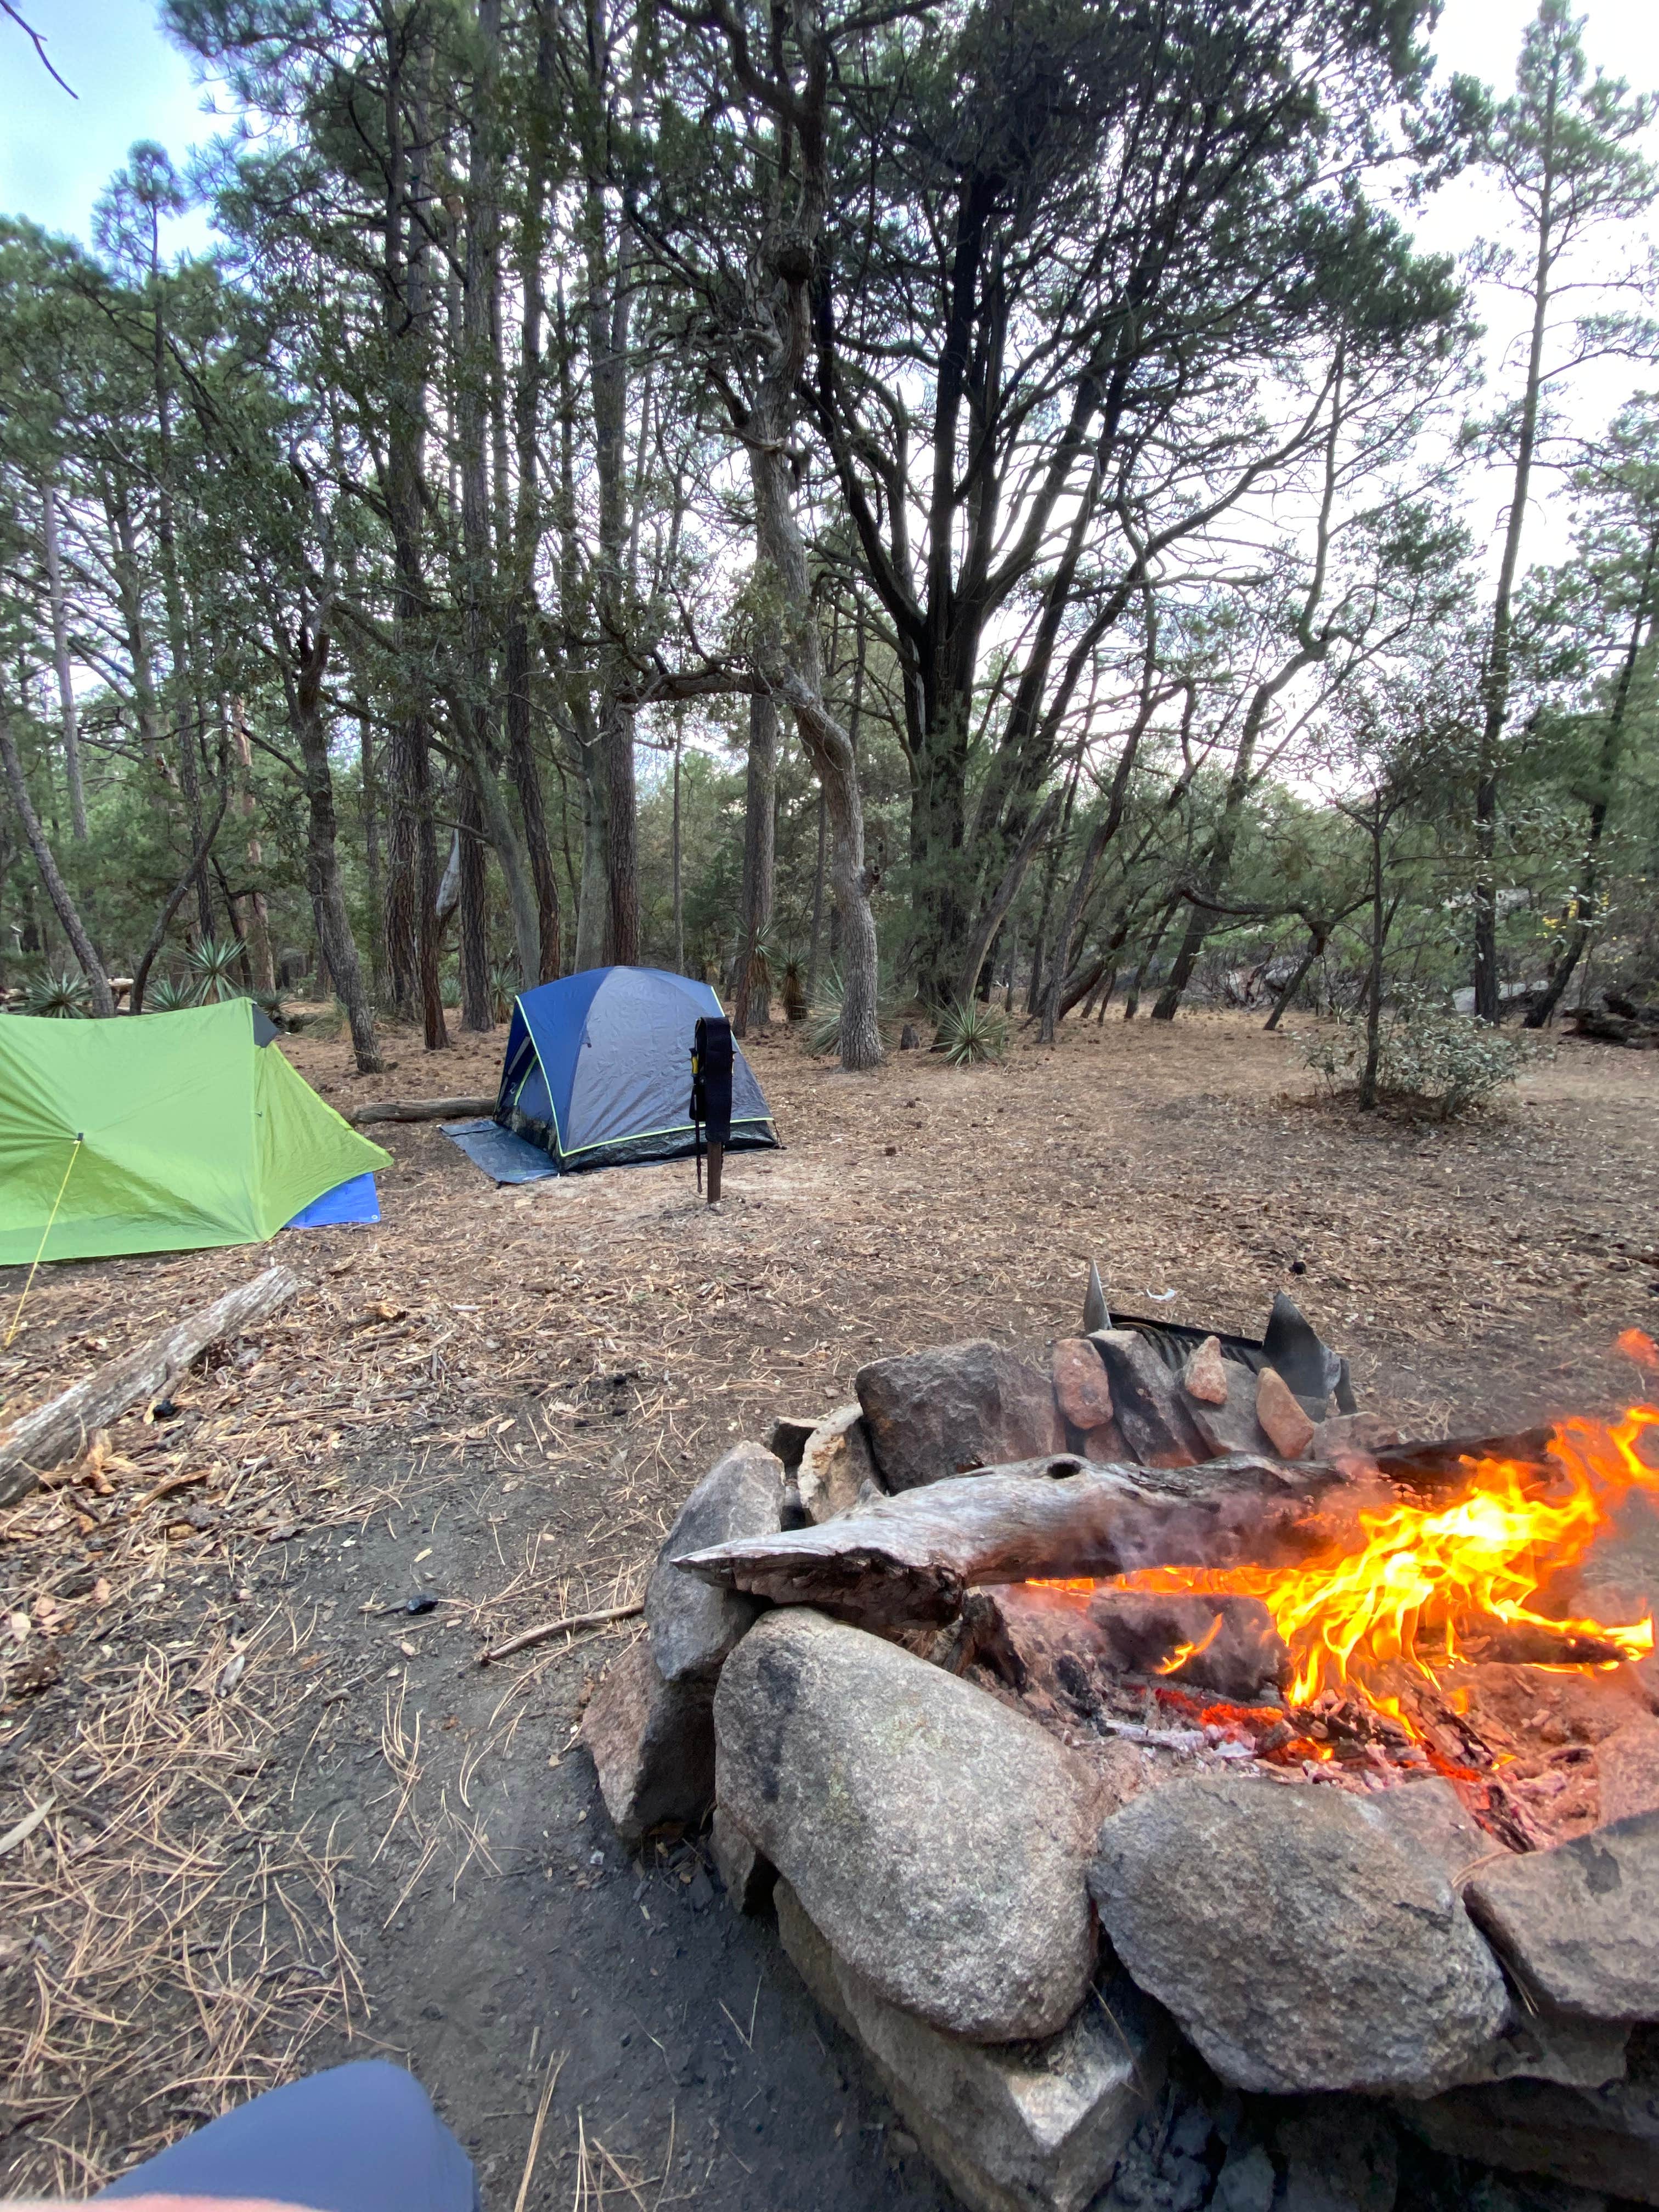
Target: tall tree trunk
column 1645, row 628
column 60, row 655
column 338, row 944
column 750, row 997
column 369, row 783
column 679, row 899
column 610, row 275
column 477, row 1007
column 258, row 929
column 412, row 875
column 1317, row 941
column 815, row 948
column 1495, row 704
column 103, row 998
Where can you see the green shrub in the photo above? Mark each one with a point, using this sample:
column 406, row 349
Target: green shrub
column 972, row 1034
column 214, row 962
column 65, row 996
column 167, row 995
column 1431, row 1061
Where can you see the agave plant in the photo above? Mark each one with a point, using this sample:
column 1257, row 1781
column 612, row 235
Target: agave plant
column 213, row 966
column 503, row 989
column 972, row 1033
column 65, row 996
column 167, row 995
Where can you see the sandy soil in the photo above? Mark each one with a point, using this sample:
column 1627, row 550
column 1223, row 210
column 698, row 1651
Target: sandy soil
column 498, row 1398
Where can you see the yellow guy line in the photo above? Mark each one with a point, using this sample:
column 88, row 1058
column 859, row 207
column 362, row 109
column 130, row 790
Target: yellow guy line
column 28, row 1282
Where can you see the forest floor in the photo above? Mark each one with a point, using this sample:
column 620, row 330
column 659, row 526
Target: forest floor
column 284, row 1824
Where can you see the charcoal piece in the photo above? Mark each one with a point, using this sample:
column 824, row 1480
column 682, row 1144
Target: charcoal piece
column 1233, row 1646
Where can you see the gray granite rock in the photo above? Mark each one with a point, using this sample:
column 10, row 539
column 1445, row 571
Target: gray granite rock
column 835, row 1465
column 947, row 1412
column 746, row 1877
column 1297, row 1945
column 1151, row 1411
column 1580, row 1923
column 1231, row 1425
column 1627, row 1769
column 652, row 1745
column 1023, row 2127
column 693, row 1626
column 1430, row 1817
column 938, row 1839
column 1605, row 2138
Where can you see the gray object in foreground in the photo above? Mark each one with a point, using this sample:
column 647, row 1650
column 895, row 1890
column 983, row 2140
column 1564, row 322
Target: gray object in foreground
column 1299, row 1946
column 937, row 1839
column 1580, row 1923
column 911, row 1559
column 932, row 1414
column 694, row 1627
column 1024, row 2127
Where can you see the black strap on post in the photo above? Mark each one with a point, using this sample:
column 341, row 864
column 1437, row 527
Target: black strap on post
column 712, row 1056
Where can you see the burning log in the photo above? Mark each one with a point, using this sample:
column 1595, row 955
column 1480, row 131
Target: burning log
column 912, row 1558
column 1432, row 1469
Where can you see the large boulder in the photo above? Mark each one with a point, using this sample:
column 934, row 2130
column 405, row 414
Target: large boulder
column 939, row 1840
column 947, row 1412
column 652, row 1747
column 1023, row 2127
column 693, row 1625
column 1605, row 2138
column 1580, row 1923
column 1298, row 1944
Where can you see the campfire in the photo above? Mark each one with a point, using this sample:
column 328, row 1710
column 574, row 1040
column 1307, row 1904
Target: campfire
column 999, row 1681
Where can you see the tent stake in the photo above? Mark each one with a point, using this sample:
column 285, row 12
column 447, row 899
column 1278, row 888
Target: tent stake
column 716, row 1157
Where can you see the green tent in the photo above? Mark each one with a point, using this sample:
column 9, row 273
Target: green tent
column 194, row 1132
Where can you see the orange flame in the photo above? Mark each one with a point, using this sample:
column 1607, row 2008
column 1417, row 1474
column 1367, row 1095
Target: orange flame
column 1636, row 1344
column 1423, row 1577
column 1182, row 1652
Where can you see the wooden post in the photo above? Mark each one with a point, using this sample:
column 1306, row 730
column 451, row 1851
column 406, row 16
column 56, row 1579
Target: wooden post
column 716, row 1157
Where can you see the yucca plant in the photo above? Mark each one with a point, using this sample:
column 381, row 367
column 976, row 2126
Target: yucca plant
column 793, row 985
column 823, row 1021
column 503, row 989
column 167, row 995
column 213, row 964
column 65, row 996
column 971, row 1034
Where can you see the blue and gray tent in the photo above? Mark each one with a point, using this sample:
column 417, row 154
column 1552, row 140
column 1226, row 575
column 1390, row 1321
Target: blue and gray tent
column 598, row 1070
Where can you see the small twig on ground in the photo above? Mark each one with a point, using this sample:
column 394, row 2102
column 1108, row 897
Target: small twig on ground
column 529, row 1635
column 549, row 2081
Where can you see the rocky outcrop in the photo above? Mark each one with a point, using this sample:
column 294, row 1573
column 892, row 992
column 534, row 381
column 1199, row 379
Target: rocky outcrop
column 1025, row 2127
column 1605, row 2138
column 1580, row 1923
column 652, row 1745
column 835, row 1465
column 1297, row 1945
column 938, row 1840
column 693, row 1626
column 1155, row 1419
column 964, row 1406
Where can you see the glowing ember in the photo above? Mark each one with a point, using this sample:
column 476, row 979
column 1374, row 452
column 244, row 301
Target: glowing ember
column 1636, row 1344
column 1425, row 1583
column 1182, row 1652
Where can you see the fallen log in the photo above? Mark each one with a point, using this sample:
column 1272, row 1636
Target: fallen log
column 420, row 1109
column 910, row 1560
column 62, row 1428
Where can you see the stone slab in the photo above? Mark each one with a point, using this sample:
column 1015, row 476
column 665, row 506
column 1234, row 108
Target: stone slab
column 1580, row 1923
column 960, row 1407
column 694, row 1626
column 652, row 1745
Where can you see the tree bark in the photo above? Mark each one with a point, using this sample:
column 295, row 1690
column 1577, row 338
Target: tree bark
column 750, row 997
column 339, row 946
column 1007, row 891
column 60, row 655
column 258, row 935
column 103, row 998
column 913, row 1558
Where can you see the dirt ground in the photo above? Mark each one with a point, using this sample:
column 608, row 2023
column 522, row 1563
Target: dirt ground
column 285, row 1824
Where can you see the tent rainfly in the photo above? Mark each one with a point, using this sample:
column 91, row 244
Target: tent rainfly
column 166, row 1133
column 598, row 1070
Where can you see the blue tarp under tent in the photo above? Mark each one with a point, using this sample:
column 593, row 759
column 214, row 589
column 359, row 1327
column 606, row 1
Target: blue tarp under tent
column 598, row 1074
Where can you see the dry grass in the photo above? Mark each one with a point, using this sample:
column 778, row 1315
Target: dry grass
column 169, row 1939
column 167, row 1950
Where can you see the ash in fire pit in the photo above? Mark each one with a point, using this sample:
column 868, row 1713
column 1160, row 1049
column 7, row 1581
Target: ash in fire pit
column 1205, row 1723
